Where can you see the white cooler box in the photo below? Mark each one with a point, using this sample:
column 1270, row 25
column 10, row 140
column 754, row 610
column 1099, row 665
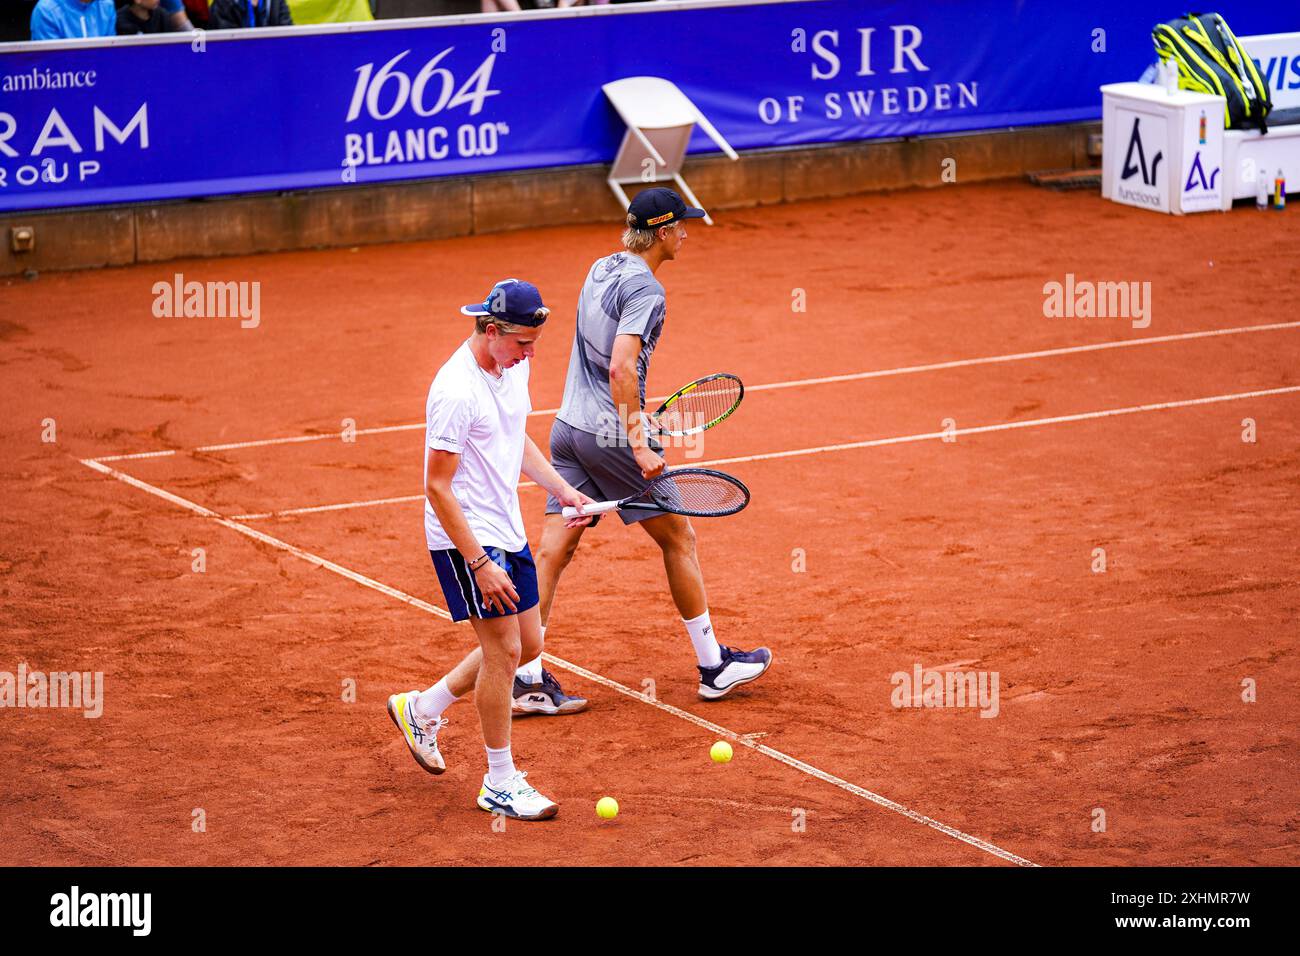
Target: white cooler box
column 1160, row 150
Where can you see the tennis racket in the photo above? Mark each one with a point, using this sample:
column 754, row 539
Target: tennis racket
column 694, row 492
column 697, row 406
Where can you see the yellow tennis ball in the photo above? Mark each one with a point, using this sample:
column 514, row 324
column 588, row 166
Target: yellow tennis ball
column 720, row 752
column 607, row 808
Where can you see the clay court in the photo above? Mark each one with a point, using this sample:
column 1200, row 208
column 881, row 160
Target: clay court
column 1122, row 690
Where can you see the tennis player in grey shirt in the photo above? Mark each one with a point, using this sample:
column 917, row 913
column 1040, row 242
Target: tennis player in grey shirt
column 599, row 446
column 620, row 297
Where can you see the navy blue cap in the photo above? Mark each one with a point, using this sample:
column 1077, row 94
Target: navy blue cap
column 659, row 207
column 511, row 300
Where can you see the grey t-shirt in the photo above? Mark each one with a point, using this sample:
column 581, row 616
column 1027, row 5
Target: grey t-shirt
column 620, row 297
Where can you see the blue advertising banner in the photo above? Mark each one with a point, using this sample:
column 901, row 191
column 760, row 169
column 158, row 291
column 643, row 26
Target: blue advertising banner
column 243, row 111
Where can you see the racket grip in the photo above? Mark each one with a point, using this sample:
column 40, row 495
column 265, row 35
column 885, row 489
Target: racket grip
column 597, row 509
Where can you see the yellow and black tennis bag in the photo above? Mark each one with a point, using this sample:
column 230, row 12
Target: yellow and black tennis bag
column 1211, row 60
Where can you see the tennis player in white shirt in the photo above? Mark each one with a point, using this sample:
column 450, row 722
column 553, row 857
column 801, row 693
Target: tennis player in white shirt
column 475, row 448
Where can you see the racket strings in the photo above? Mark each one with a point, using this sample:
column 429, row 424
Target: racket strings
column 701, row 406
column 699, row 493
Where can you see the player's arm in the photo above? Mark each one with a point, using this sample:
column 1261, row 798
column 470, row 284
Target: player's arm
column 497, row 589
column 624, row 388
column 543, row 472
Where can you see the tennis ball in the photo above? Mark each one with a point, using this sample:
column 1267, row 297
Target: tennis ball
column 720, row 752
column 607, row 808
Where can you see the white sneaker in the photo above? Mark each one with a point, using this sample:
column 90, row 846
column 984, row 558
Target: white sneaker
column 515, row 798
column 738, row 667
column 421, row 735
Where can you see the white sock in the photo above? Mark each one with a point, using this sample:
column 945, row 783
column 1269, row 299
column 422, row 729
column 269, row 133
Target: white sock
column 706, row 645
column 531, row 672
column 501, row 765
column 432, row 702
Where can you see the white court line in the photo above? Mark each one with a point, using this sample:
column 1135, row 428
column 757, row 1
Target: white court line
column 1022, row 356
column 265, row 538
column 296, row 439
column 345, row 506
column 746, row 740
column 558, row 662
column 850, row 377
column 870, row 443
column 1006, row 426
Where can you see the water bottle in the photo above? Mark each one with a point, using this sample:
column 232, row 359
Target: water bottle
column 1279, row 191
column 1261, row 190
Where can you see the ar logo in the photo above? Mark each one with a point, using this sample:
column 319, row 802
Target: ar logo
column 1135, row 143
column 1198, row 172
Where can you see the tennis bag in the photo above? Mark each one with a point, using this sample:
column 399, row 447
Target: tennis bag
column 1211, row 60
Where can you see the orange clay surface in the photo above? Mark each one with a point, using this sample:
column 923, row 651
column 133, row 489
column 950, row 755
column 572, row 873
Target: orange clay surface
column 1120, row 691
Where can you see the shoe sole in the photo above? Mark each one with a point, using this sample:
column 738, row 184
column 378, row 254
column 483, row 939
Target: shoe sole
column 547, row 710
column 712, row 694
column 548, row 813
column 397, row 722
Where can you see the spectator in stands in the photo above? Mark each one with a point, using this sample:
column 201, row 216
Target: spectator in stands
column 234, row 14
column 306, row 12
column 173, row 12
column 73, row 19
column 140, row 16
column 503, row 6
column 197, row 11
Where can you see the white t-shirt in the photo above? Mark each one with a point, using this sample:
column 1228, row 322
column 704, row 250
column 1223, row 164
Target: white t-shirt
column 482, row 419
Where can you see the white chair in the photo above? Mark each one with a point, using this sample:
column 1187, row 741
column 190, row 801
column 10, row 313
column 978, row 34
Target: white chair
column 659, row 120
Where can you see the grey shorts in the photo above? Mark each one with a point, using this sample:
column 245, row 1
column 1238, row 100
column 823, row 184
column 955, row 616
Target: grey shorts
column 605, row 473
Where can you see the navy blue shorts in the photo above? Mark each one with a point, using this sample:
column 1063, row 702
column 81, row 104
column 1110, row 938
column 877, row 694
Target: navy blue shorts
column 461, row 590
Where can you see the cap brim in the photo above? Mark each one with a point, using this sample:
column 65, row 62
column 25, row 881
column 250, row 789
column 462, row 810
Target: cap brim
column 693, row 213
column 474, row 308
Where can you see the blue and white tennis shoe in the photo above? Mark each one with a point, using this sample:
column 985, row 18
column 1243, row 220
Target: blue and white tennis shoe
column 516, row 799
column 546, row 698
column 737, row 667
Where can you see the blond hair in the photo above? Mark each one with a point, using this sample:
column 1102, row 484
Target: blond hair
column 481, row 323
column 639, row 240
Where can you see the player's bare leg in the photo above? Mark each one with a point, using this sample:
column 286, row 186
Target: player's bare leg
column 460, row 680
column 418, row 714
column 536, row 691
column 505, row 789
column 498, row 639
column 721, row 668
column 530, row 633
column 676, row 538
column 553, row 555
